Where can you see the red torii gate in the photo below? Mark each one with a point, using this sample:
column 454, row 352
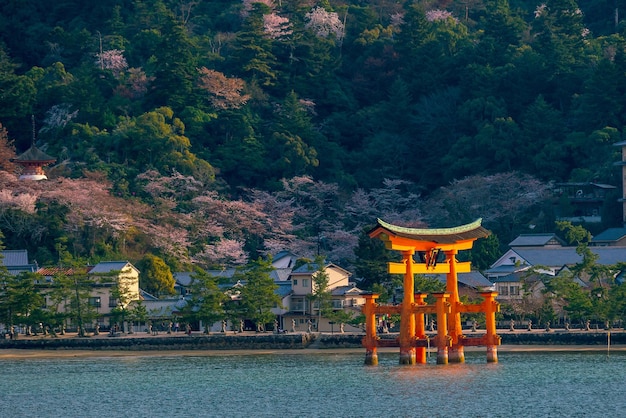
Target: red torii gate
column 413, row 340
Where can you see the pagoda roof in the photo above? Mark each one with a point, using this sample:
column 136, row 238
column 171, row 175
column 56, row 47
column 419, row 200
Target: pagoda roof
column 465, row 232
column 34, row 154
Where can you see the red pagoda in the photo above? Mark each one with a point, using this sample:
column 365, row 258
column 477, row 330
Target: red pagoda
column 33, row 161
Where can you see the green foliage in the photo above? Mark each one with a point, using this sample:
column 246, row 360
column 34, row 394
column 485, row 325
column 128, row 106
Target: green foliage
column 427, row 284
column 485, row 252
column 258, row 296
column 207, row 300
column 321, row 297
column 70, row 295
column 371, row 262
column 155, row 277
column 18, row 298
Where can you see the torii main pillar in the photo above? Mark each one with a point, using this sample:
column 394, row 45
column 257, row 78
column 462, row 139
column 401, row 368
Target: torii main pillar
column 429, row 243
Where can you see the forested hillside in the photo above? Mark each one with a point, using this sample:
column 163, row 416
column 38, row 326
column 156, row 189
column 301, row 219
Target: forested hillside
column 208, row 132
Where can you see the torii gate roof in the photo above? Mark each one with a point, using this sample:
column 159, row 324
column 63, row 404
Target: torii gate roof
column 402, row 238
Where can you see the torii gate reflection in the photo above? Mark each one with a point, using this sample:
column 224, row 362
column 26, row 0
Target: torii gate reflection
column 448, row 308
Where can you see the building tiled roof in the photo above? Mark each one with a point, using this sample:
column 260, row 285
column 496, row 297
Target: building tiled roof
column 306, row 268
column 183, row 278
column 66, row 271
column 34, row 154
column 535, row 240
column 557, row 257
column 346, row 290
column 310, row 268
column 109, row 266
column 224, row 274
column 504, row 268
column 14, row 257
column 284, row 288
column 473, row 279
column 281, row 274
column 609, row 235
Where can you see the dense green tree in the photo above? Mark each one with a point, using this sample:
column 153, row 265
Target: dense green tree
column 485, row 252
column 321, row 297
column 258, row 293
column 253, row 48
column 293, row 141
column 371, row 262
column 137, row 314
column 157, row 140
column 17, row 96
column 155, row 277
column 172, row 62
column 70, row 297
column 502, row 30
column 206, row 303
column 19, row 299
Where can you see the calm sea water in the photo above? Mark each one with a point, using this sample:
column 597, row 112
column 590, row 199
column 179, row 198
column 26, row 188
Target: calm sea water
column 317, row 385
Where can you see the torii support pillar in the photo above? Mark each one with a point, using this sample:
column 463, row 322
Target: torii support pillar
column 443, row 307
column 420, row 329
column 456, row 353
column 407, row 324
column 490, row 307
column 370, row 340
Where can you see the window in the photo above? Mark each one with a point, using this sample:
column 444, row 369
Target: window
column 95, row 302
column 295, row 282
column 503, row 290
column 305, row 282
column 113, row 302
column 514, row 290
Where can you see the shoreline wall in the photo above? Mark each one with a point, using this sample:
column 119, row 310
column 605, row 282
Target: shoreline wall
column 286, row 341
column 204, row 342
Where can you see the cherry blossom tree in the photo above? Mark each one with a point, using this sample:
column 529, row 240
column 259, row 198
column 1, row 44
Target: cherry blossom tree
column 225, row 252
column 22, row 201
column 248, row 5
column 112, row 60
column 224, row 92
column 276, row 27
column 324, row 24
column 135, row 84
column 502, row 200
column 437, row 15
column 58, row 116
column 394, row 202
column 176, row 186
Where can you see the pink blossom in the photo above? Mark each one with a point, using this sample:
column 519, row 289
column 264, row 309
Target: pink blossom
column 324, row 23
column 437, row 15
column 225, row 252
column 276, row 27
column 224, row 92
column 248, row 5
column 112, row 60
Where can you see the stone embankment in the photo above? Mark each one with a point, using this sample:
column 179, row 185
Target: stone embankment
column 165, row 342
column 267, row 341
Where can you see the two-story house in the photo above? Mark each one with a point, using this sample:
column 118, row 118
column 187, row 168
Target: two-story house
column 303, row 309
column 115, row 285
